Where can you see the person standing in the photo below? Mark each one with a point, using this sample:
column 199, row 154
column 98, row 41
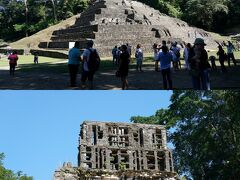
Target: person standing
column 13, row 58
column 199, row 65
column 74, row 60
column 185, row 55
column 155, row 54
column 213, row 63
column 139, row 58
column 230, row 49
column 129, row 49
column 222, row 57
column 36, row 58
column 91, row 62
column 176, row 56
column 114, row 54
column 165, row 58
column 124, row 67
column 118, row 54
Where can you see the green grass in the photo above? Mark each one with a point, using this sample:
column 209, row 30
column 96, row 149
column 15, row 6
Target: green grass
column 53, row 65
column 27, row 60
column 25, row 64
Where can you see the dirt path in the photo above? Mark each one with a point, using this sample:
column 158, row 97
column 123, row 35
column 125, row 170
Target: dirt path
column 148, row 80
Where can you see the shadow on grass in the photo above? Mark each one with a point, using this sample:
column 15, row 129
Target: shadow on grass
column 49, row 76
column 106, row 65
column 44, row 68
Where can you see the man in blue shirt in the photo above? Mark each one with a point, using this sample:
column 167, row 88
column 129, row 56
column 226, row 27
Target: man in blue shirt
column 230, row 49
column 114, row 54
column 165, row 58
column 74, row 63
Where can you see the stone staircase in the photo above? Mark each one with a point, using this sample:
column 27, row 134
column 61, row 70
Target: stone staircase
column 115, row 22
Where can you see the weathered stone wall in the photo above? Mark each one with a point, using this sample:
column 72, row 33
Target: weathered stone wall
column 52, row 54
column 73, row 173
column 123, row 146
column 120, row 151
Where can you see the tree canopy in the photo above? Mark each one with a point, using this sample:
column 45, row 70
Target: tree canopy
column 20, row 18
column 6, row 174
column 205, row 130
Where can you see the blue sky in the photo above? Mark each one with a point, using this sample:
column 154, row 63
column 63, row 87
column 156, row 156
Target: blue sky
column 39, row 129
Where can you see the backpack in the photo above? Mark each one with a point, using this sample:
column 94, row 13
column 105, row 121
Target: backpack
column 93, row 61
column 178, row 54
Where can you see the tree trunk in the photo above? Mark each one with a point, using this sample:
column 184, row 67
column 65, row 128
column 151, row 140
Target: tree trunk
column 54, row 11
column 26, row 14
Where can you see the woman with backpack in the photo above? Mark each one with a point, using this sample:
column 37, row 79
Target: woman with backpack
column 222, row 57
column 13, row 58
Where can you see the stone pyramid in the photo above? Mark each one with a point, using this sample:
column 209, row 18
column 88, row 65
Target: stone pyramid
column 115, row 22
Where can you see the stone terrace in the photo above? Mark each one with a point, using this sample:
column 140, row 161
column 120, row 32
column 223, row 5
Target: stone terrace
column 116, row 22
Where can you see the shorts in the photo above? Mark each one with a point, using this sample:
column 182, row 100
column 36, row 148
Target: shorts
column 87, row 75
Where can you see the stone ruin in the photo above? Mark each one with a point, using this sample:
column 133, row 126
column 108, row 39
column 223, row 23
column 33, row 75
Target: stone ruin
column 115, row 22
column 120, row 151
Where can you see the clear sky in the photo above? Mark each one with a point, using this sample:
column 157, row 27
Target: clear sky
column 39, row 129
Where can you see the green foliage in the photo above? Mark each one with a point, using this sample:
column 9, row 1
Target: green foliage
column 18, row 19
column 68, row 8
column 215, row 15
column 122, row 166
column 6, row 174
column 1, row 158
column 204, row 13
column 205, row 130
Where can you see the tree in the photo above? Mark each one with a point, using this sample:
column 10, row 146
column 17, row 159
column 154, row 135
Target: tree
column 54, row 11
column 6, row 174
column 205, row 130
column 20, row 18
column 26, row 14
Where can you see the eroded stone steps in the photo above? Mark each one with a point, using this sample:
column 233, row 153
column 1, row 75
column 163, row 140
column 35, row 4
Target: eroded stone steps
column 76, row 29
column 76, row 35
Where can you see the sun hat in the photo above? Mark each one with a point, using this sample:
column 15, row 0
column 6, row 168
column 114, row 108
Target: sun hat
column 199, row 41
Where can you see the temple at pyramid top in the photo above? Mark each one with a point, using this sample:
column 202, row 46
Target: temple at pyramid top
column 115, row 22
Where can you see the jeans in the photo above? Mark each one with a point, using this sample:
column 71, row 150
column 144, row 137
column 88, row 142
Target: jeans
column 73, row 71
column 223, row 66
column 167, row 79
column 231, row 56
column 12, row 69
column 201, row 81
column 87, row 75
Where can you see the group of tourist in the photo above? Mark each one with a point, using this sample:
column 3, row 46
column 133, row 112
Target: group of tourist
column 90, row 63
column 196, row 62
column 167, row 60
